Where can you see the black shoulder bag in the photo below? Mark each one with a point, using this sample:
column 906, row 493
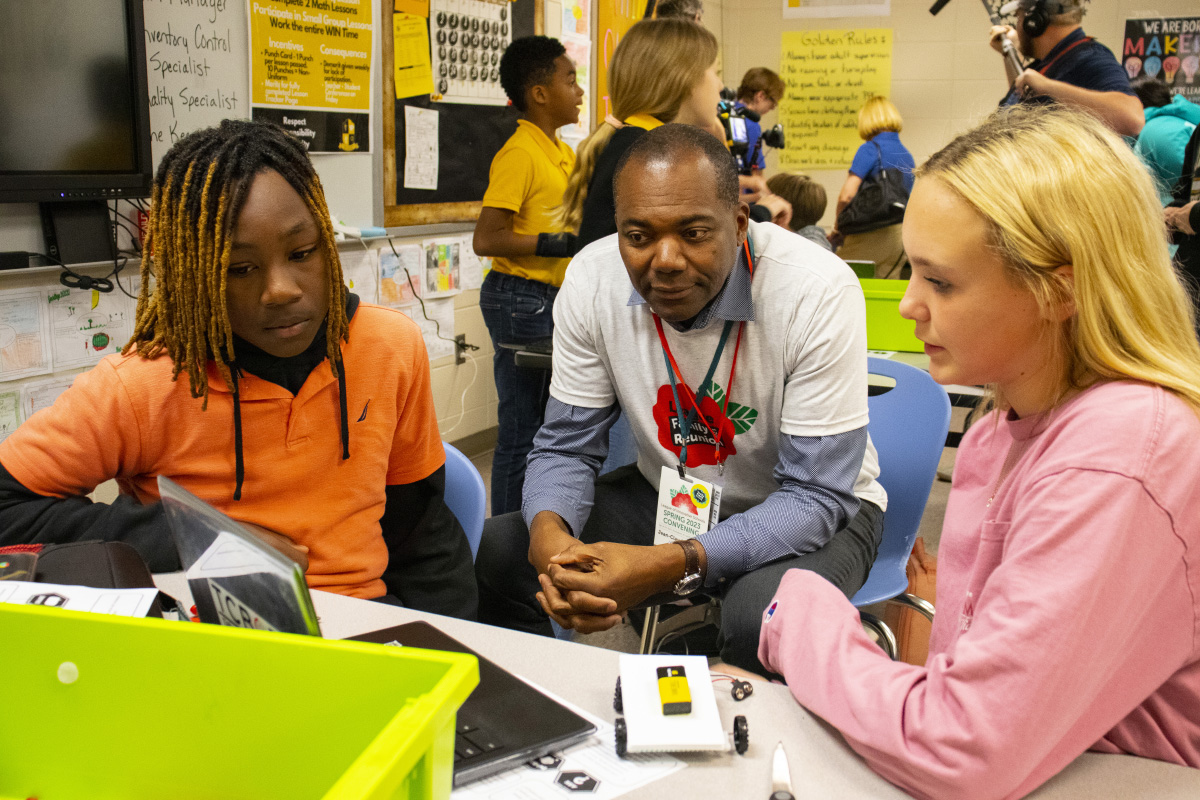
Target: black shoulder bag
column 880, row 202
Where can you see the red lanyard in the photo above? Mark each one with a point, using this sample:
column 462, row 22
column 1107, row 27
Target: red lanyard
column 1042, row 69
column 678, row 373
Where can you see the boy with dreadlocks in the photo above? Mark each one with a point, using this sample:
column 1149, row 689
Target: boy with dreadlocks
column 248, row 300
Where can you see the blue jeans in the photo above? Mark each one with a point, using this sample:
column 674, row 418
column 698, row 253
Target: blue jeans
column 516, row 311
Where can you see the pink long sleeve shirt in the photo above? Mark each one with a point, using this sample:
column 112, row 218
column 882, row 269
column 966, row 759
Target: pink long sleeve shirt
column 1068, row 613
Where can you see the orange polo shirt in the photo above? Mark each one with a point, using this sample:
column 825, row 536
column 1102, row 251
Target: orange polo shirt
column 126, row 419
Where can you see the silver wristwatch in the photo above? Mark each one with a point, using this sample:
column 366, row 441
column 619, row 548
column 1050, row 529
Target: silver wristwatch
column 692, row 579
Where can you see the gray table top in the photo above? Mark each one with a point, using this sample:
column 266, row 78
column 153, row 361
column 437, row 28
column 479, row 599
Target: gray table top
column 822, row 764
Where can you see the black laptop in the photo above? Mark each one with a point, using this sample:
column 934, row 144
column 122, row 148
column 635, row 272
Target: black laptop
column 505, row 722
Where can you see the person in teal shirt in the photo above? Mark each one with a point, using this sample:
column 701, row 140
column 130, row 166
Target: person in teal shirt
column 1170, row 122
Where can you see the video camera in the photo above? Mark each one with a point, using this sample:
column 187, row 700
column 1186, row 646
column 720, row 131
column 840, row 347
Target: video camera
column 733, row 119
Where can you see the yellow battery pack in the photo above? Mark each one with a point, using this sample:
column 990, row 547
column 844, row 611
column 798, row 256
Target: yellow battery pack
column 673, row 691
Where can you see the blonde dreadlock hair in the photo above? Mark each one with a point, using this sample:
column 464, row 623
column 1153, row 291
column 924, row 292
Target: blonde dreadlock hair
column 198, row 194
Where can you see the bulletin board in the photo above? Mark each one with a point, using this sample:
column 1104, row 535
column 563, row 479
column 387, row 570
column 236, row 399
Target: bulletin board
column 469, row 136
column 613, row 18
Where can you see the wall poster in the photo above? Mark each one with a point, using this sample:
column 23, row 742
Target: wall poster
column 829, row 75
column 310, row 70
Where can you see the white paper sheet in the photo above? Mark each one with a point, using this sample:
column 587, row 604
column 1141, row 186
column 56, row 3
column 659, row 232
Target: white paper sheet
column 24, row 334
column 650, row 730
column 467, row 38
column 401, row 275
column 37, row 395
column 360, row 269
column 836, row 8
column 121, row 602
column 472, row 267
column 10, row 412
column 440, row 324
column 86, row 325
column 591, row 763
column 420, row 148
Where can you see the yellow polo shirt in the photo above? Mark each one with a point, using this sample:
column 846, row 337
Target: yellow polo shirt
column 529, row 177
column 644, row 121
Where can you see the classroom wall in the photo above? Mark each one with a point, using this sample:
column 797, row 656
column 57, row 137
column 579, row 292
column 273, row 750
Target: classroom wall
column 945, row 78
column 353, row 189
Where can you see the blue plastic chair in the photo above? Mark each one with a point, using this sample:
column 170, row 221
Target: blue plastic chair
column 466, row 495
column 908, row 426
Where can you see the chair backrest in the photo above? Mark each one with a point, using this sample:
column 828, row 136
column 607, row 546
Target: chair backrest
column 908, row 426
column 466, row 495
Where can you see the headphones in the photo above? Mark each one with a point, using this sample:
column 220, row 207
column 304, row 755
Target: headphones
column 1038, row 14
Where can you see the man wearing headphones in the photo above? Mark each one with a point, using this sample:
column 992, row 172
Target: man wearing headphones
column 1068, row 66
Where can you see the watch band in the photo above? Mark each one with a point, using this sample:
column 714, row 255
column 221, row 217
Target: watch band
column 691, row 559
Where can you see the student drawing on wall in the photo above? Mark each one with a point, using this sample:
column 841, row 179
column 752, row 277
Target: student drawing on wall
column 441, row 268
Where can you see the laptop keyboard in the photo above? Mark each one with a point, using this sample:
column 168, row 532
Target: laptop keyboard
column 471, row 742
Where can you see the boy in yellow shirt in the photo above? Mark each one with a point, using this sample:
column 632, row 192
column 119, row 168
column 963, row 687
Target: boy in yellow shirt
column 530, row 251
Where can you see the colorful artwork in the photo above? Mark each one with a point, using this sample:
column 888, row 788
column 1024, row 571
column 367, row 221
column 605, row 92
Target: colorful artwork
column 442, row 267
column 400, row 275
column 86, row 325
column 1167, row 49
column 579, row 50
column 575, row 17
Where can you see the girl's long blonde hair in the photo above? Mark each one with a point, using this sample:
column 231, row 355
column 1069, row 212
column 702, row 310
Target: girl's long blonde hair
column 1057, row 187
column 654, row 69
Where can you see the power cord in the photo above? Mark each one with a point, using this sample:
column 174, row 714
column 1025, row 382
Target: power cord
column 436, row 325
column 74, row 280
column 462, row 400
column 460, row 346
column 740, row 690
column 117, row 277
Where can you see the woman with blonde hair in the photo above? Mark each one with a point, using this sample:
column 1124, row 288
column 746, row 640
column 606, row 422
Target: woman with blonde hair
column 879, row 125
column 663, row 70
column 1069, row 581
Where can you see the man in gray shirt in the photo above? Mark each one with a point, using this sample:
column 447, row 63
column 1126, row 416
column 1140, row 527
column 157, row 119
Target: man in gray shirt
column 769, row 331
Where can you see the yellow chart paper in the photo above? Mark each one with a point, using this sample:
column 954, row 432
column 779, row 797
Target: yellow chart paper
column 413, row 72
column 316, row 56
column 829, row 75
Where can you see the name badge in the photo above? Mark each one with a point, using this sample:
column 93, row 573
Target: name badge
column 687, row 507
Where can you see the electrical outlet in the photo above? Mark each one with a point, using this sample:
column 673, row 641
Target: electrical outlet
column 460, row 349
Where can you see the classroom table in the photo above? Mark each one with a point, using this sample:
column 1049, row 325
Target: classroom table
column 822, row 764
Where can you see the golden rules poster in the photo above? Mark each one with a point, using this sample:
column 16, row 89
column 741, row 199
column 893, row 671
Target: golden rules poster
column 829, row 75
column 310, row 70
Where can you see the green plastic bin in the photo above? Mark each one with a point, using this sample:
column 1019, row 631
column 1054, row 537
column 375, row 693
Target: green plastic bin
column 863, row 269
column 886, row 329
column 182, row 710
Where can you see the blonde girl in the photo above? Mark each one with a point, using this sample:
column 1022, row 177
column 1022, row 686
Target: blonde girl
column 664, row 70
column 1069, row 580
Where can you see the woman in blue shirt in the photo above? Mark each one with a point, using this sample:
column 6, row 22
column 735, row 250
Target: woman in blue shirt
column 879, row 125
